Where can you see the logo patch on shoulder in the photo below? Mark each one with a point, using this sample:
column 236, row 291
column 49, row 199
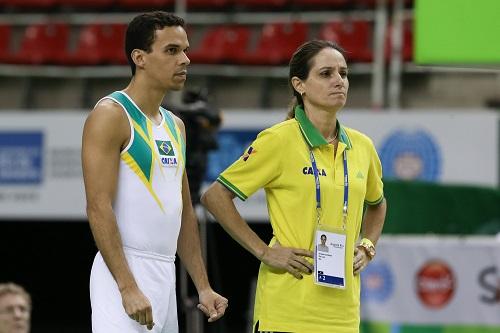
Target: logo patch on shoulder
column 249, row 152
column 167, row 153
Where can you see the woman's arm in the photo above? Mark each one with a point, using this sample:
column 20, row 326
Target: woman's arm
column 219, row 202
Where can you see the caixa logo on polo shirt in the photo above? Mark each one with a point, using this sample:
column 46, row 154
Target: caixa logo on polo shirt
column 310, row 171
column 167, row 153
column 411, row 156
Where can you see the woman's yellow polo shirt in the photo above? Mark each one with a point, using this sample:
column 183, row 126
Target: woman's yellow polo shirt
column 279, row 161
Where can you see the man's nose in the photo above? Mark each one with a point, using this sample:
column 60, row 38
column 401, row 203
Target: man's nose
column 19, row 312
column 186, row 60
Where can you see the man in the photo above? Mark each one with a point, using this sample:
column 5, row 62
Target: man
column 15, row 309
column 138, row 201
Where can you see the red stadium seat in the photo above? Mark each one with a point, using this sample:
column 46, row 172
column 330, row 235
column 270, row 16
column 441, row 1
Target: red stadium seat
column 221, row 44
column 43, row 44
column 354, row 36
column 207, row 4
column 407, row 49
column 145, row 4
column 320, row 3
column 23, row 4
column 87, row 3
column 100, row 44
column 5, row 37
column 373, row 3
column 261, row 3
column 277, row 43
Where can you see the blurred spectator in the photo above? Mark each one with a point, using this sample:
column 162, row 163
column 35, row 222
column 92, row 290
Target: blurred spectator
column 15, row 309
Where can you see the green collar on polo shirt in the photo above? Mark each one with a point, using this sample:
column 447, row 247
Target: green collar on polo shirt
column 312, row 135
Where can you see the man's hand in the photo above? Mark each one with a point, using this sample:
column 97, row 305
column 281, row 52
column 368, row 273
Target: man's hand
column 290, row 259
column 137, row 306
column 360, row 261
column 212, row 304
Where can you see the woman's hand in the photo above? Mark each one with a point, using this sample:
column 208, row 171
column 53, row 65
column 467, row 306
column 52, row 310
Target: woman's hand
column 360, row 261
column 289, row 259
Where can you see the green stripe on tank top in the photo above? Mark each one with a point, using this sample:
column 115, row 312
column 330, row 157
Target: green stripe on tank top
column 170, row 123
column 173, row 128
column 140, row 150
column 132, row 110
column 141, row 153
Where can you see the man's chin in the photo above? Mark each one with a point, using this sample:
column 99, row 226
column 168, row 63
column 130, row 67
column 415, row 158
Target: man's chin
column 20, row 329
column 176, row 87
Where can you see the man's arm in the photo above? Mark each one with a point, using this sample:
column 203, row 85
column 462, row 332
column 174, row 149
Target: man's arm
column 105, row 132
column 373, row 223
column 189, row 250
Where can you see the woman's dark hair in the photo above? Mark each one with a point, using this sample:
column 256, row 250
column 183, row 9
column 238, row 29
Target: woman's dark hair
column 300, row 66
column 141, row 31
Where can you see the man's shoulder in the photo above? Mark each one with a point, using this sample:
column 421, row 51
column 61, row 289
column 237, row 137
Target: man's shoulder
column 107, row 108
column 107, row 118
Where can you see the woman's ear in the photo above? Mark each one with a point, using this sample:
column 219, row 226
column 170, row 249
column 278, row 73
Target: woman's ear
column 298, row 85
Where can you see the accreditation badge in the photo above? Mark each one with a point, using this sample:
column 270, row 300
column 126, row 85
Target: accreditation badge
column 329, row 257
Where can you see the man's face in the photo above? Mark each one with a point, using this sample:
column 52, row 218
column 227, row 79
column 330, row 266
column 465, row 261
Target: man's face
column 323, row 240
column 14, row 314
column 167, row 62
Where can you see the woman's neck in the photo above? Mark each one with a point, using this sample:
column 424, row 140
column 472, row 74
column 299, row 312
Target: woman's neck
column 324, row 121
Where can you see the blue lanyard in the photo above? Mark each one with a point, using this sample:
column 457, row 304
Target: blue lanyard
column 318, row 188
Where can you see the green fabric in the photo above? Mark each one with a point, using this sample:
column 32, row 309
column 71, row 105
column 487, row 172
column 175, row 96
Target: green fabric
column 141, row 153
column 171, row 125
column 140, row 149
column 232, row 188
column 421, row 208
column 132, row 110
column 312, row 135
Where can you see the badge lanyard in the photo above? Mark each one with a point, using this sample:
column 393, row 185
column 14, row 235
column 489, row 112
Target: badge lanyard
column 318, row 189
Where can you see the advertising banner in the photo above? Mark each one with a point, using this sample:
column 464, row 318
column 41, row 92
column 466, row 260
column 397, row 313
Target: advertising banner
column 41, row 177
column 419, row 282
column 40, row 165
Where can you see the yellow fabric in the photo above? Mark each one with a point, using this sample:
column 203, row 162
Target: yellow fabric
column 279, row 162
column 129, row 160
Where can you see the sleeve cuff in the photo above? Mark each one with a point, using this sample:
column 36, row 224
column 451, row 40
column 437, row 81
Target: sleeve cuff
column 376, row 202
column 231, row 187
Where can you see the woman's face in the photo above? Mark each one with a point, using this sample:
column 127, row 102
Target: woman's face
column 327, row 84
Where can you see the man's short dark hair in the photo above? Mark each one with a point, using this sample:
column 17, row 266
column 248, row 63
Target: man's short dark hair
column 141, row 31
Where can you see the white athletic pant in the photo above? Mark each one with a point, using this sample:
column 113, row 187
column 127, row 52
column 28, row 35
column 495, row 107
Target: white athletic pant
column 155, row 276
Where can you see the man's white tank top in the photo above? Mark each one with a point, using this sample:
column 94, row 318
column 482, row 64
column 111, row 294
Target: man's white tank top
column 148, row 203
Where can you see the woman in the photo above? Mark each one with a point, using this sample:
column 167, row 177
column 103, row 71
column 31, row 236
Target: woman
column 317, row 175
